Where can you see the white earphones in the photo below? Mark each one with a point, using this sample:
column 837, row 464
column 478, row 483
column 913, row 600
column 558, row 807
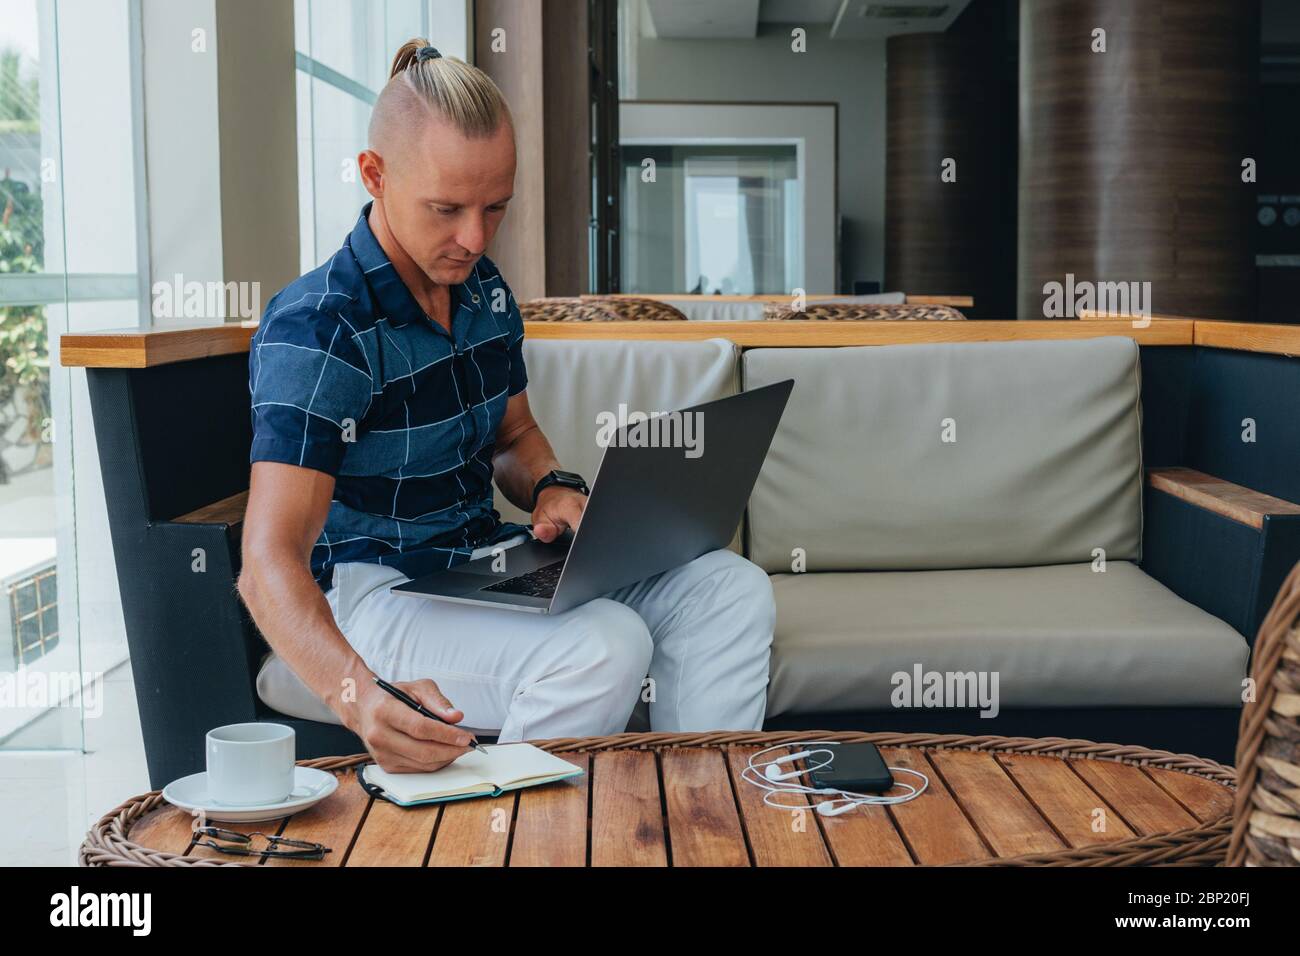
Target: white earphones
column 774, row 774
column 768, row 776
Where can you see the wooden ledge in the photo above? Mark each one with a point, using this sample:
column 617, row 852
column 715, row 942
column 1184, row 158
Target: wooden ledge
column 137, row 348
column 1090, row 315
column 1234, row 502
column 226, row 511
column 832, row 332
column 1249, row 336
column 147, row 348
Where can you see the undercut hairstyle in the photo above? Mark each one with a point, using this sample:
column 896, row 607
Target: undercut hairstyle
column 424, row 84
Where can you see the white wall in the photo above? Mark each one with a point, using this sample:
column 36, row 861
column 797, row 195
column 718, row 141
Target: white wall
column 182, row 145
column 850, row 73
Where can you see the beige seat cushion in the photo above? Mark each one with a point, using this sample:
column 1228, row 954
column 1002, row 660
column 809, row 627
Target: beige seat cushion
column 571, row 380
column 1045, row 467
column 1059, row 636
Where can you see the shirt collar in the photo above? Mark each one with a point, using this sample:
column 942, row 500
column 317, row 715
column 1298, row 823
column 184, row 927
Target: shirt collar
column 394, row 298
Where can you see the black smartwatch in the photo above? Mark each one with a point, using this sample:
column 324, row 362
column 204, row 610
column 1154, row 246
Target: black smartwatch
column 565, row 479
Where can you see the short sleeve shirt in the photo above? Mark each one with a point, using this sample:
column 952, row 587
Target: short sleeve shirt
column 350, row 377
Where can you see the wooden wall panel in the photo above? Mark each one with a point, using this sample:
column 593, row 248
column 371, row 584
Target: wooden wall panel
column 947, row 98
column 1130, row 160
column 568, row 135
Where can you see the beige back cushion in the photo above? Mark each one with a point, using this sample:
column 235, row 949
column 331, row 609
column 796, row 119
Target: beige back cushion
column 571, row 380
column 1045, row 466
column 718, row 310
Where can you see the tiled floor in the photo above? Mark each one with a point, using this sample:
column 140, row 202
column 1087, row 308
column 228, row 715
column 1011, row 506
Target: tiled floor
column 48, row 799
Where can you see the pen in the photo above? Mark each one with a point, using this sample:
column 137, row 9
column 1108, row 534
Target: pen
column 419, row 708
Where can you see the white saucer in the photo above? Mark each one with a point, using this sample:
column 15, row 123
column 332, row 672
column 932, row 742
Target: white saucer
column 310, row 787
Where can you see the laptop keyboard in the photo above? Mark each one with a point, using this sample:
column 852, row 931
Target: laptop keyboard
column 540, row 583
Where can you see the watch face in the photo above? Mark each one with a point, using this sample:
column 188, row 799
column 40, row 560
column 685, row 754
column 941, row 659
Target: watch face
column 572, row 476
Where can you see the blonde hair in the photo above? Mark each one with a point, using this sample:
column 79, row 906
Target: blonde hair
column 423, row 80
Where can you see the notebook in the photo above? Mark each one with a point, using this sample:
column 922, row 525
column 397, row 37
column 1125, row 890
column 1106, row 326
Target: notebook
column 504, row 767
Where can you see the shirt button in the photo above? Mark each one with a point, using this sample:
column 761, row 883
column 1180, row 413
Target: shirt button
column 474, row 298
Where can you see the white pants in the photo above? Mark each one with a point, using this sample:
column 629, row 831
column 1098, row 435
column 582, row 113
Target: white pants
column 702, row 633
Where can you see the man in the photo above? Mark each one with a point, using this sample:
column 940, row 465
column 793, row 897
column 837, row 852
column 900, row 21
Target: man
column 388, row 388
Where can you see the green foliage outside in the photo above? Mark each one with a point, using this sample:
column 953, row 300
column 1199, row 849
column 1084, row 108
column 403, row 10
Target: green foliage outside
column 24, row 335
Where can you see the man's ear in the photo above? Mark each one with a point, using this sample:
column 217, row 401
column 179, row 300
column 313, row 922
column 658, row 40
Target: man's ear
column 371, row 165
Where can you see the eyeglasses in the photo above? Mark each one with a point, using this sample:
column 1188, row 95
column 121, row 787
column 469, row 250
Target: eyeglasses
column 242, row 844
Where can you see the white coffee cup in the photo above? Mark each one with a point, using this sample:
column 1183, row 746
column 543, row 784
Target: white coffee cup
column 250, row 764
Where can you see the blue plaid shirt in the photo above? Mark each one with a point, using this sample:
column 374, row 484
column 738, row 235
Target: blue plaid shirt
column 350, row 377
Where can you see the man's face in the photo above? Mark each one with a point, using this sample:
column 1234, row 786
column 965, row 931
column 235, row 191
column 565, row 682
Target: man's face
column 446, row 195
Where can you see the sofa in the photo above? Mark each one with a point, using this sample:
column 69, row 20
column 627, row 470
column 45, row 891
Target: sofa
column 892, row 550
column 959, row 510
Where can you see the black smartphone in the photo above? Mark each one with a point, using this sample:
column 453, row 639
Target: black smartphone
column 857, row 768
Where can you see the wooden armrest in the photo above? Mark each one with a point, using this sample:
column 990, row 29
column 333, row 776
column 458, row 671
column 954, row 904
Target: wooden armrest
column 1234, row 502
column 226, row 511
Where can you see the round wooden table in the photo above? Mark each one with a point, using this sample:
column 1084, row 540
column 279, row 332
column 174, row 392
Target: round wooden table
column 678, row 800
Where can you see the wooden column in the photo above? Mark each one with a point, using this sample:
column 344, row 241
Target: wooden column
column 542, row 247
column 1131, row 159
column 947, row 98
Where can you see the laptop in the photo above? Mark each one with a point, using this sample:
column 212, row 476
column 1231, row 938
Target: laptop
column 664, row 494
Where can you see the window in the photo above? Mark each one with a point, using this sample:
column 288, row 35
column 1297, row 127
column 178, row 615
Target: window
column 717, row 220
column 344, row 51
column 71, row 259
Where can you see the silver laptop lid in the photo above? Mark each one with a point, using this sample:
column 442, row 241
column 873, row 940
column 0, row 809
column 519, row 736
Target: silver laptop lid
column 668, row 490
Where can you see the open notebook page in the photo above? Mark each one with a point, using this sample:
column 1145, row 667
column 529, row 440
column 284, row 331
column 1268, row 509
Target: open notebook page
column 504, row 766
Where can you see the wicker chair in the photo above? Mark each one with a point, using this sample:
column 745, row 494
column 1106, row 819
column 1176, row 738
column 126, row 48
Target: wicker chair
column 598, row 308
column 1266, row 819
column 863, row 312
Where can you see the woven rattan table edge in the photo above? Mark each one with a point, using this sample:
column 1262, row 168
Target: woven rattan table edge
column 107, row 843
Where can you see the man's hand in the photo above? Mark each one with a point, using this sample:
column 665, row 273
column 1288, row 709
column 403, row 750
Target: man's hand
column 401, row 740
column 557, row 508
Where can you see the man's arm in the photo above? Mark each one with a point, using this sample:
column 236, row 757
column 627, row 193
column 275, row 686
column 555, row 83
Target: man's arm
column 287, row 507
column 522, row 458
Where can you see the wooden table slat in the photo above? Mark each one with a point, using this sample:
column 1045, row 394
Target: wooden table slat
column 934, row 827
column 1134, row 796
column 627, row 824
column 333, row 823
column 776, row 837
column 1063, row 797
column 551, row 821
column 394, row 836
column 703, row 821
column 474, row 832
column 1006, row 819
column 1205, row 799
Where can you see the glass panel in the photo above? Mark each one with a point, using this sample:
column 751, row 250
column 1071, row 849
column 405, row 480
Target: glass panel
column 69, row 230
column 337, row 195
column 345, row 49
column 718, row 219
column 30, row 245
